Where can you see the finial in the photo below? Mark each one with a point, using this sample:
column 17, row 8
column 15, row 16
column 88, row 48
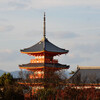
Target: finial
column 44, row 27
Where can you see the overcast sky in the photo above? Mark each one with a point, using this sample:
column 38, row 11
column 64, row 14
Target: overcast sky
column 70, row 24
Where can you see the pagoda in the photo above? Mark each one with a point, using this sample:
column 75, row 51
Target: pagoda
column 44, row 63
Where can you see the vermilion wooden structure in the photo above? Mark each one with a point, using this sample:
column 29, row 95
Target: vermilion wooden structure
column 44, row 62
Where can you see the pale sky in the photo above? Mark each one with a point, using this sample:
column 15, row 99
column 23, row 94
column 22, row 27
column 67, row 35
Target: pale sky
column 70, row 24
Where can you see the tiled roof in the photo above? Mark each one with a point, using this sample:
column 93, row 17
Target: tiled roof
column 86, row 75
column 44, row 44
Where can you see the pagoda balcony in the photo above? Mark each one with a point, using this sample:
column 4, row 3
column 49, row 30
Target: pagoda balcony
column 41, row 60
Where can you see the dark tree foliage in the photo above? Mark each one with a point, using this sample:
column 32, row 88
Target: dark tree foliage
column 9, row 89
column 68, row 93
column 46, row 94
column 13, row 93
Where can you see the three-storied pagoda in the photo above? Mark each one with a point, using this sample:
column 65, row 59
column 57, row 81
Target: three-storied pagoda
column 44, row 62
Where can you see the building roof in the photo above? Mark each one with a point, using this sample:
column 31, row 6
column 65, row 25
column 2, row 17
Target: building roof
column 88, row 67
column 89, row 74
column 44, row 45
column 55, row 65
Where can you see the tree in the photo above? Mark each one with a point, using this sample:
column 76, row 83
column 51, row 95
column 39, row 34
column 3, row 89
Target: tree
column 6, row 79
column 14, row 92
column 11, row 90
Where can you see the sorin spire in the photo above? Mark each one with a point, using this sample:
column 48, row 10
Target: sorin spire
column 44, row 26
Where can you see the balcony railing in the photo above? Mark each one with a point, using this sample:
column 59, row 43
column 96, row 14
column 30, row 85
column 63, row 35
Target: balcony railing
column 41, row 60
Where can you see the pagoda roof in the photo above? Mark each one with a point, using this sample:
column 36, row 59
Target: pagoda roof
column 54, row 65
column 44, row 45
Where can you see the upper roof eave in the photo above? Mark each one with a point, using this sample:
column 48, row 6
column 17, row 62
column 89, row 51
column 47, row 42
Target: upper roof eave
column 44, row 51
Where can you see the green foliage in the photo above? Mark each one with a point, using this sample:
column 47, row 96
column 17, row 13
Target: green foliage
column 44, row 94
column 6, row 79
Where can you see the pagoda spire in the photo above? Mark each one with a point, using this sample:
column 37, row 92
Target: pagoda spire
column 44, row 27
